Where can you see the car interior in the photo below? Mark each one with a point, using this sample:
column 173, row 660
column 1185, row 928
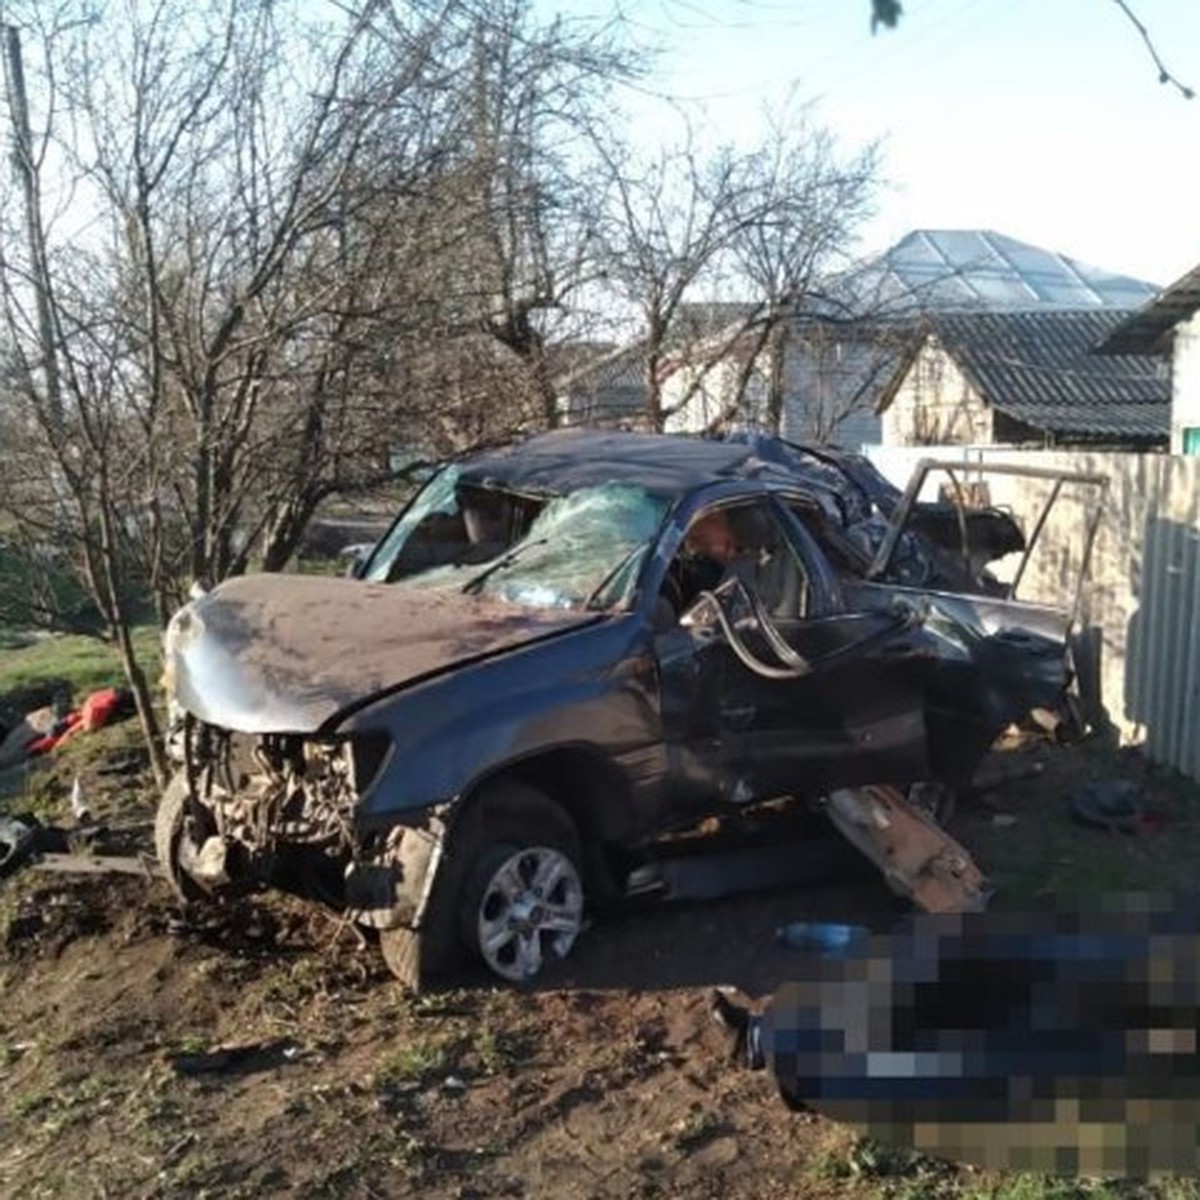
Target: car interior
column 743, row 541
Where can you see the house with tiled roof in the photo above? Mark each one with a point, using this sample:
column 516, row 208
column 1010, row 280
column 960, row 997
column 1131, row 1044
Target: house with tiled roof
column 998, row 301
column 1169, row 326
column 1028, row 378
column 858, row 366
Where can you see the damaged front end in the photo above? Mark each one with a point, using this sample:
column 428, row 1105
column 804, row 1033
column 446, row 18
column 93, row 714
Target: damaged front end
column 279, row 810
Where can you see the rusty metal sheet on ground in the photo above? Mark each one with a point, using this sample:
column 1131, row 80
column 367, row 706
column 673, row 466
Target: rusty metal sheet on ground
column 918, row 859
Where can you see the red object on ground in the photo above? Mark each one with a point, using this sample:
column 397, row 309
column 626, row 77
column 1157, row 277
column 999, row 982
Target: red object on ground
column 99, row 708
column 70, row 725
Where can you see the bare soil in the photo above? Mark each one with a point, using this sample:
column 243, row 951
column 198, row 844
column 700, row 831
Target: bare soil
column 262, row 1049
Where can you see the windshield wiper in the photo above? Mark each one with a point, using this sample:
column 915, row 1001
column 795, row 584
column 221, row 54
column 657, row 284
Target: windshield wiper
column 593, row 600
column 474, row 585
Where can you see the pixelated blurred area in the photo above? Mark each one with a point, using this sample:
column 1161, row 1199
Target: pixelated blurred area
column 1060, row 1041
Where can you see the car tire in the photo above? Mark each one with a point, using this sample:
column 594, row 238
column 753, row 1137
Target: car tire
column 513, row 842
column 168, row 832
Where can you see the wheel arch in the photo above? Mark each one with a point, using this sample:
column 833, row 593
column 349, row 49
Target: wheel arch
column 592, row 790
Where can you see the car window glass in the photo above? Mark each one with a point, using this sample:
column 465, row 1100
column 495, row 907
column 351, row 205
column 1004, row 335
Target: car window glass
column 436, row 500
column 745, row 541
column 453, row 523
column 579, row 549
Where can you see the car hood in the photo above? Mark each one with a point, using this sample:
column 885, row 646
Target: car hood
column 286, row 653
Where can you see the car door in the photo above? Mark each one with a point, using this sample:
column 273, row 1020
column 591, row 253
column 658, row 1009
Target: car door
column 745, row 724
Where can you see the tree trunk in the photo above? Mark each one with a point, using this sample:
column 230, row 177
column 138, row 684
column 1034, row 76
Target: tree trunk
column 118, row 622
column 776, row 377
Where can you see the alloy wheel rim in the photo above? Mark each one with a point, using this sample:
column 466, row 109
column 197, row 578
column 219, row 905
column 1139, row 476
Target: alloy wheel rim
column 532, row 906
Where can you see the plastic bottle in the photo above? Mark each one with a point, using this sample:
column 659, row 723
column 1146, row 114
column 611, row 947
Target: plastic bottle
column 79, row 807
column 828, row 937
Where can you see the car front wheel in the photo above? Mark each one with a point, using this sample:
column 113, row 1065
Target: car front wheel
column 169, row 830
column 522, row 901
column 509, row 892
column 524, row 906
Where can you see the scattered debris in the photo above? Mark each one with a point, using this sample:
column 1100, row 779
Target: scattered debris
column 24, row 837
column 243, row 1058
column 79, row 808
column 1112, row 804
column 25, row 841
column 827, row 936
column 45, row 729
column 17, row 842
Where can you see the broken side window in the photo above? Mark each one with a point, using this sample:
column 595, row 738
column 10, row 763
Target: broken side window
column 431, row 521
column 452, row 523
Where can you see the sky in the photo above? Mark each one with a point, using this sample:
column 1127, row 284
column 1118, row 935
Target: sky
column 1040, row 119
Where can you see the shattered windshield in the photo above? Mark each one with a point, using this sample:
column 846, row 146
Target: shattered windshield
column 558, row 552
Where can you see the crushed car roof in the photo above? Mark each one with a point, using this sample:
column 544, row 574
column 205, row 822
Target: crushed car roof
column 669, row 465
column 565, row 460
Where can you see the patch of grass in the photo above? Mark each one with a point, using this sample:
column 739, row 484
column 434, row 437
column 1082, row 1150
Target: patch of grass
column 873, row 1160
column 697, row 1129
column 499, row 1051
column 416, row 1061
column 85, row 663
column 26, row 1104
column 288, row 987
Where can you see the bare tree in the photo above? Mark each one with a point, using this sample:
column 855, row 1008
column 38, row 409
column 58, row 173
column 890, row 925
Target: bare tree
column 514, row 235
column 661, row 226
column 772, row 227
column 803, row 205
column 217, row 322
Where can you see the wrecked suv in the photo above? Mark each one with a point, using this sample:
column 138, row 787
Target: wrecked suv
column 549, row 662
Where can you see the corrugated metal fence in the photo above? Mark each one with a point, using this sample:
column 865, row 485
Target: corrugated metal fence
column 1140, row 617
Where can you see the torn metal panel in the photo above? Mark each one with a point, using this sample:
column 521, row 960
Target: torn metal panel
column 907, row 514
column 390, row 888
column 917, row 858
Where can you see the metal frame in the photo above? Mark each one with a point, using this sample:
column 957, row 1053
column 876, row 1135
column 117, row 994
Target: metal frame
column 903, row 510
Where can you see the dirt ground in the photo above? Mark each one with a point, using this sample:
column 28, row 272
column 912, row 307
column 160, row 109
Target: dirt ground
column 263, row 1050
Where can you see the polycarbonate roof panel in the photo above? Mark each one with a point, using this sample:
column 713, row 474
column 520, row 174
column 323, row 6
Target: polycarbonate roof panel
column 938, row 270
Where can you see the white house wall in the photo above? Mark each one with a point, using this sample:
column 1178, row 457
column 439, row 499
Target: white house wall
column 828, row 392
column 936, row 405
column 1185, row 381
column 710, row 401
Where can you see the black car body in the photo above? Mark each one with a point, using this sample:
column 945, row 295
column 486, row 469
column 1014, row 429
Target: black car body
column 531, row 677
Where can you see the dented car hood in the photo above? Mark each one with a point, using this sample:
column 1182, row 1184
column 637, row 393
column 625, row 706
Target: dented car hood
column 286, row 653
